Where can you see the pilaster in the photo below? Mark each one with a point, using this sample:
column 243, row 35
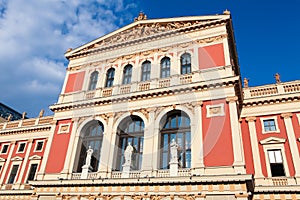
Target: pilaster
column 254, row 146
column 287, row 117
column 239, row 163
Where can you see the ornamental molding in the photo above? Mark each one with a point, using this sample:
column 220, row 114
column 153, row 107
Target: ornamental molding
column 286, row 115
column 250, row 119
column 17, row 158
column 146, row 33
column 2, row 159
column 272, row 140
column 35, row 157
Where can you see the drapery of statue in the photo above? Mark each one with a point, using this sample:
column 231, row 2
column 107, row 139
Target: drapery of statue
column 86, row 168
column 128, row 158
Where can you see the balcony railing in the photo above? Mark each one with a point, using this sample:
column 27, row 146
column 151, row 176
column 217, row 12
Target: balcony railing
column 156, row 83
column 275, row 89
column 134, row 174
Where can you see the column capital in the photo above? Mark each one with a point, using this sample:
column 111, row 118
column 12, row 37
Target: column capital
column 13, row 142
column 251, row 119
column 286, row 115
column 30, row 140
column 197, row 103
column 232, row 99
column 152, row 109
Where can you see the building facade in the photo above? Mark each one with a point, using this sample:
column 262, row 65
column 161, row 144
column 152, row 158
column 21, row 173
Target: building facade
column 156, row 110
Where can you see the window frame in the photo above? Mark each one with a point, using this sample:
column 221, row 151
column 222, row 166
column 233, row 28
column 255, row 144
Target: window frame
column 16, row 174
column 185, row 130
column 29, row 168
column 147, row 72
column 2, row 147
column 36, row 145
column 109, row 82
column 165, row 69
column 127, row 77
column 19, row 145
column 186, row 66
column 93, row 80
column 274, row 143
column 262, row 119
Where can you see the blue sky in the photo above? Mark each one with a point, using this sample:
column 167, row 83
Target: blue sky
column 34, row 35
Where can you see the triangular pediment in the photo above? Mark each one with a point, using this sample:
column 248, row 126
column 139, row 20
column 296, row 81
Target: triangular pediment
column 35, row 157
column 272, row 140
column 144, row 29
column 17, row 158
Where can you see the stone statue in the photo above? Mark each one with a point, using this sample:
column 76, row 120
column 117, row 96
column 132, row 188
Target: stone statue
column 89, row 156
column 24, row 115
column 277, row 78
column 41, row 113
column 174, row 151
column 246, row 82
column 128, row 154
column 9, row 118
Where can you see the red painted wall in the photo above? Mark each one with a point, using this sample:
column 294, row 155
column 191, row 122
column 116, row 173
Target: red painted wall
column 217, row 140
column 296, row 126
column 282, row 134
column 75, row 82
column 247, row 147
column 58, row 149
column 211, row 56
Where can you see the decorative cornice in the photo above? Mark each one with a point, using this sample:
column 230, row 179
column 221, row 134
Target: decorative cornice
column 23, row 131
column 286, row 115
column 277, row 100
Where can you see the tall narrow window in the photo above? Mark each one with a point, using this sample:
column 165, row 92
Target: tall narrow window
column 165, row 64
column 176, row 125
column 93, row 80
column 110, row 75
column 91, row 137
column 146, row 70
column 276, row 163
column 127, row 74
column 131, row 130
column 185, row 62
column 4, row 148
column 13, row 174
column 32, row 172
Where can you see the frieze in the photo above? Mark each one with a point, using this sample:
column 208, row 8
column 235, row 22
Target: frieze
column 212, row 39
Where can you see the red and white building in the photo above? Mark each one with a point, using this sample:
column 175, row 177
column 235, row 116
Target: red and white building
column 148, row 83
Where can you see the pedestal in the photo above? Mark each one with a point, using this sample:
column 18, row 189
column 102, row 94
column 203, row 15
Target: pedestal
column 173, row 168
column 125, row 171
column 85, row 171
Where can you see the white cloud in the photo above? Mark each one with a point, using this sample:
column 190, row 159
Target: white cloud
column 34, row 35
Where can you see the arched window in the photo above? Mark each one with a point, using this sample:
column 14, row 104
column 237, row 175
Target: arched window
column 176, row 125
column 110, row 75
column 91, row 136
column 146, row 70
column 93, row 80
column 127, row 74
column 185, row 63
column 131, row 130
column 165, row 64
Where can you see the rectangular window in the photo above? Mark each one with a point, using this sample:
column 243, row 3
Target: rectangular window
column 269, row 125
column 4, row 148
column 21, row 147
column 39, row 146
column 276, row 163
column 13, row 174
column 32, row 172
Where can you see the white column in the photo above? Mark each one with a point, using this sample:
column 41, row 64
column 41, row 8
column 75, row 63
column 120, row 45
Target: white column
column 148, row 150
column 11, row 149
column 111, row 154
column 197, row 139
column 292, row 141
column 239, row 164
column 106, row 145
column 156, row 147
column 255, row 147
column 71, row 148
column 25, row 161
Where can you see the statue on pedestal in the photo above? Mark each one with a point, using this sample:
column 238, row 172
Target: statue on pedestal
column 89, row 156
column 87, row 167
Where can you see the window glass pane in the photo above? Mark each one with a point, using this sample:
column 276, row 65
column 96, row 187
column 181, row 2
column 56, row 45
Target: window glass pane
column 110, row 77
column 188, row 140
column 39, row 146
column 13, row 174
column 32, row 172
column 278, row 156
column 271, row 156
column 173, row 122
column 188, row 159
